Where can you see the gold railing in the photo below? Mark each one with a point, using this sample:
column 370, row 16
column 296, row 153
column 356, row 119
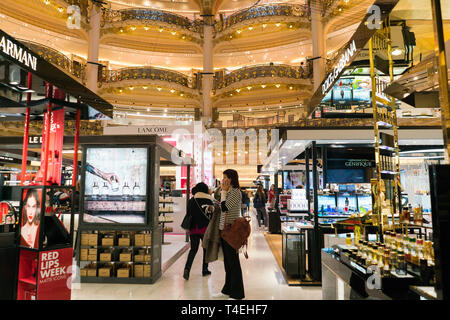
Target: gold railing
column 55, row 57
column 260, row 71
column 150, row 73
column 272, row 10
column 147, row 16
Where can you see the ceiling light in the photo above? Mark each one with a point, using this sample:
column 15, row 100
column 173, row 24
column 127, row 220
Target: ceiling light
column 218, row 153
column 148, row 109
column 159, row 89
column 145, row 87
column 249, row 109
column 120, row 90
column 250, row 28
column 183, row 37
column 277, row 24
column 231, row 37
column 263, row 86
column 264, row 25
column 174, row 33
column 133, row 28
column 121, row 30
column 181, row 94
column 238, row 90
column 239, row 31
column 146, row 28
column 290, row 88
column 160, row 29
column 131, row 88
column 340, row 9
column 249, row 87
column 47, row 2
column 138, row 112
column 277, row 85
column 165, row 110
column 280, row 107
column 172, row 91
column 60, row 9
column 231, row 94
column 290, row 26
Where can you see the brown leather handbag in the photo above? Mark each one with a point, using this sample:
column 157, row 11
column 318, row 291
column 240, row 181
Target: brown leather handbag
column 236, row 234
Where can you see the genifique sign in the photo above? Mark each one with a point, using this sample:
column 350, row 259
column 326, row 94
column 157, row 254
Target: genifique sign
column 343, row 61
column 22, row 55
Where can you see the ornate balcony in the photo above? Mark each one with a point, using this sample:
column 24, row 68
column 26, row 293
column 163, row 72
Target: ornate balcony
column 262, row 71
column 75, row 68
column 265, row 11
column 147, row 73
column 113, row 19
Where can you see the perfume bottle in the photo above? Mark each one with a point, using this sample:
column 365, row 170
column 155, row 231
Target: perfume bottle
column 114, row 184
column 126, row 190
column 95, row 190
column 105, row 191
column 136, row 189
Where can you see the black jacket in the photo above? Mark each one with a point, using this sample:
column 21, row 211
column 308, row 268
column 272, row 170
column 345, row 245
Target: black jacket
column 198, row 218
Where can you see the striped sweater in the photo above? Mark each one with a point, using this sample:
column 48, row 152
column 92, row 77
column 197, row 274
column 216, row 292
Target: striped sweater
column 231, row 206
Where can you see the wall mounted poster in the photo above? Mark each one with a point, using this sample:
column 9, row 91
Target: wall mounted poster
column 115, row 185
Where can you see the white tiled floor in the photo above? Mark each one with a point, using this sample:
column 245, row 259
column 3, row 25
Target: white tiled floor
column 262, row 280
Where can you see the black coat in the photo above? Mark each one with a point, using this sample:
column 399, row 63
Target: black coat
column 198, row 218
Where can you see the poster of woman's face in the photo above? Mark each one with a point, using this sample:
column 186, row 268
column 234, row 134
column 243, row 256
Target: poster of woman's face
column 31, row 217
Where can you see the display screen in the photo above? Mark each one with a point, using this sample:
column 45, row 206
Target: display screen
column 346, row 203
column 364, row 203
column 115, row 185
column 346, row 176
column 31, row 218
column 293, row 179
column 350, row 91
column 326, row 203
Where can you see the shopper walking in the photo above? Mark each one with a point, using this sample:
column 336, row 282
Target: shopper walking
column 259, row 203
column 231, row 199
column 200, row 207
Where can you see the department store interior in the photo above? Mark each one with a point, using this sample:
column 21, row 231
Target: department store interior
column 116, row 109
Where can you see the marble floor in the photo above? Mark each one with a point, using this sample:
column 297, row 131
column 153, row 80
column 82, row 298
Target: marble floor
column 263, row 280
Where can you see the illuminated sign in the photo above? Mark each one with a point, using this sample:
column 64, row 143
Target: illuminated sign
column 343, row 61
column 20, row 54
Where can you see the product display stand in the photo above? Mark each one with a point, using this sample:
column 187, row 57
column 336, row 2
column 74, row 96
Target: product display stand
column 45, row 266
column 163, row 212
column 385, row 188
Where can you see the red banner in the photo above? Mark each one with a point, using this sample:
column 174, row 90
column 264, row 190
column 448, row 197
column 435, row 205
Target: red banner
column 56, row 142
column 54, row 273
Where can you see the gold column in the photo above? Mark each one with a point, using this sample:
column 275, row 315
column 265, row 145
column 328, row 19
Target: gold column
column 443, row 76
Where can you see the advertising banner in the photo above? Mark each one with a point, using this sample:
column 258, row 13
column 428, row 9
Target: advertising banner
column 53, row 274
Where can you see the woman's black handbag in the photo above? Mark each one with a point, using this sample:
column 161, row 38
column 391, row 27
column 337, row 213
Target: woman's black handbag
column 187, row 221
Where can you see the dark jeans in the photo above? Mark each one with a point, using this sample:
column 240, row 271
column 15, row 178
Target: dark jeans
column 262, row 216
column 195, row 243
column 234, row 285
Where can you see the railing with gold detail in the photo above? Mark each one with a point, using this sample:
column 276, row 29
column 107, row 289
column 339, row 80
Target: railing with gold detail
column 259, row 71
column 55, row 57
column 150, row 15
column 272, row 10
column 149, row 73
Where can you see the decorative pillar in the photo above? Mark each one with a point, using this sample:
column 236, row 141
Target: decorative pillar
column 319, row 45
column 93, row 48
column 208, row 67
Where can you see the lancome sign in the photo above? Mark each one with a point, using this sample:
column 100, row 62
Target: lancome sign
column 343, row 61
column 17, row 52
column 161, row 130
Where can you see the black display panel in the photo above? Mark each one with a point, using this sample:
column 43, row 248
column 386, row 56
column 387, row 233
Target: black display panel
column 346, row 176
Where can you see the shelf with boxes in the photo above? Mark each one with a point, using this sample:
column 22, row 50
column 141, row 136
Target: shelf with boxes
column 110, row 255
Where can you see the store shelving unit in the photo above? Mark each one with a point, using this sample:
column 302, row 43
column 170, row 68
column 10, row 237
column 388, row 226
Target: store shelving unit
column 162, row 213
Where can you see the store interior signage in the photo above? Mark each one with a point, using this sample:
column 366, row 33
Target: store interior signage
column 18, row 53
column 359, row 163
column 336, row 71
column 35, row 140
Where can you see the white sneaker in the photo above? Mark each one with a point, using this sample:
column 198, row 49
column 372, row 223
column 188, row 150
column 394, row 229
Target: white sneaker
column 219, row 295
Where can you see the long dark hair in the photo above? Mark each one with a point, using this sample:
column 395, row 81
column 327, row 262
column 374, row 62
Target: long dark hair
column 37, row 218
column 233, row 176
column 260, row 191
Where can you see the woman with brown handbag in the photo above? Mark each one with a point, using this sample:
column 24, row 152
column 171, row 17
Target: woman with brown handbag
column 231, row 199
